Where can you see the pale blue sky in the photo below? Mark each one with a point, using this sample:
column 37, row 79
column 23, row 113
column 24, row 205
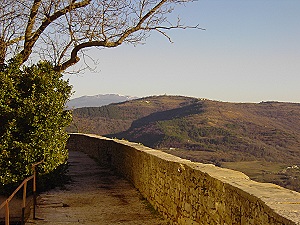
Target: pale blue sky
column 250, row 52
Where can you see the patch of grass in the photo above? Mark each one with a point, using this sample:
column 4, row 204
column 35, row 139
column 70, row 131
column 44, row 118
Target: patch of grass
column 282, row 174
column 255, row 168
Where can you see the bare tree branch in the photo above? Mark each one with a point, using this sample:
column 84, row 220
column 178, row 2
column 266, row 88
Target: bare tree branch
column 59, row 30
column 31, row 38
column 74, row 57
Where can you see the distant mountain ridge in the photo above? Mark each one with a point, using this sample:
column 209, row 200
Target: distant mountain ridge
column 97, row 100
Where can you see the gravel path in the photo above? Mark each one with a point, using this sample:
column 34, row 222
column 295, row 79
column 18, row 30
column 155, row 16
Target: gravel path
column 95, row 196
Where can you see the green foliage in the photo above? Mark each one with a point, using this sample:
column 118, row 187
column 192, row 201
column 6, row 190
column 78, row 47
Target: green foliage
column 32, row 119
column 183, row 130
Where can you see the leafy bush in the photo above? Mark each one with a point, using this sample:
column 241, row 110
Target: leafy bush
column 32, row 119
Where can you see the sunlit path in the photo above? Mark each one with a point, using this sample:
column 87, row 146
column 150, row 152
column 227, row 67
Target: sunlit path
column 95, row 196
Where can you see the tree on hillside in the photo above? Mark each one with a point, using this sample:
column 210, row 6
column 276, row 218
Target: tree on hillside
column 59, row 31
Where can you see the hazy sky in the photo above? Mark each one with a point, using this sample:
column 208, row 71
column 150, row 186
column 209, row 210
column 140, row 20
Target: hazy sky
column 250, row 52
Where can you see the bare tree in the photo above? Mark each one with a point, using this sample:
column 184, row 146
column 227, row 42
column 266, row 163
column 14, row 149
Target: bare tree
column 59, row 30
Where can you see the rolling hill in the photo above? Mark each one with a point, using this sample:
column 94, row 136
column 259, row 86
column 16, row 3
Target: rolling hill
column 267, row 134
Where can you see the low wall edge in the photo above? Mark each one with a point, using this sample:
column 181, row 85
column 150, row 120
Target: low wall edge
column 188, row 192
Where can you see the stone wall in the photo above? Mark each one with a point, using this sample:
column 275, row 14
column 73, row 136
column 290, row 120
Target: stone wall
column 191, row 193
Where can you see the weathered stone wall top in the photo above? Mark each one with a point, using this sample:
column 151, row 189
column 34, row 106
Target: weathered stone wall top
column 186, row 192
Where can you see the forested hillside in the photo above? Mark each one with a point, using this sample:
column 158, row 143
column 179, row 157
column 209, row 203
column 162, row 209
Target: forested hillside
column 207, row 131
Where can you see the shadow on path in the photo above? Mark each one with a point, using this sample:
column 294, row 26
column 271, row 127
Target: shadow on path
column 95, row 196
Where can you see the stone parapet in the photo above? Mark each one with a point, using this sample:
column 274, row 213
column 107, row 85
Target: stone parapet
column 191, row 193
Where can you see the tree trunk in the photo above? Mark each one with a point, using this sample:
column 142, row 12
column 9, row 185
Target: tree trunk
column 3, row 49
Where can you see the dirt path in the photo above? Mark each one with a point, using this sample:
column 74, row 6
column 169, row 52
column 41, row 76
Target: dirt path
column 95, row 196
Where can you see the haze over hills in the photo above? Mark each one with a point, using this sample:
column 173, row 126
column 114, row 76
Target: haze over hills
column 266, row 134
column 97, row 100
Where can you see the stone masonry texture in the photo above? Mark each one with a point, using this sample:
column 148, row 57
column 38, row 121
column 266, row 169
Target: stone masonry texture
column 191, row 193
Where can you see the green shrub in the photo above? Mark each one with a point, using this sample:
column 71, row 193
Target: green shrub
column 32, row 120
